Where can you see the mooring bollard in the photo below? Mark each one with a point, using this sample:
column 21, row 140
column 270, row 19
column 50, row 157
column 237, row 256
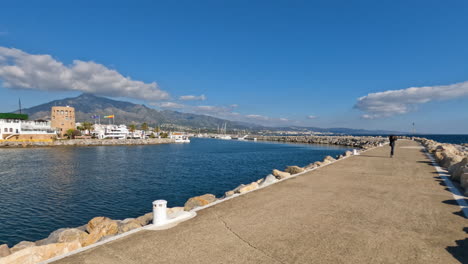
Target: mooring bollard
column 380, row 144
column 159, row 212
column 355, row 152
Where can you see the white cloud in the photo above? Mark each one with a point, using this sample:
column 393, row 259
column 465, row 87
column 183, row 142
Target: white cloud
column 311, row 117
column 193, row 97
column 169, row 105
column 393, row 102
column 21, row 70
column 258, row 117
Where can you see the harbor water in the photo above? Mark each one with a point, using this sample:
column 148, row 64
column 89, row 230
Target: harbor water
column 44, row 189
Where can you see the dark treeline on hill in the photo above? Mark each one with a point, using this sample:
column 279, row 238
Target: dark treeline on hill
column 87, row 105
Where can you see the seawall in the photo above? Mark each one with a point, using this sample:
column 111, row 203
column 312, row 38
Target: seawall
column 352, row 141
column 84, row 142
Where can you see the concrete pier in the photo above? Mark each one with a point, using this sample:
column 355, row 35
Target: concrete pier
column 365, row 209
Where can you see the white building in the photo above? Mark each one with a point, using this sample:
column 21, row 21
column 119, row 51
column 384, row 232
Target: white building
column 111, row 131
column 26, row 129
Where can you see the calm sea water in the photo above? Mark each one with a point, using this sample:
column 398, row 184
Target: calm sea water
column 452, row 139
column 44, row 189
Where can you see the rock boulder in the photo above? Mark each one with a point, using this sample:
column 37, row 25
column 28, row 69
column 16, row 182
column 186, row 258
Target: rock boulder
column 247, row 188
column 63, row 235
column 98, row 227
column 145, row 219
column 36, row 254
column 4, row 250
column 199, row 201
column 280, row 174
column 269, row 179
column 22, row 245
column 294, row 170
column 128, row 224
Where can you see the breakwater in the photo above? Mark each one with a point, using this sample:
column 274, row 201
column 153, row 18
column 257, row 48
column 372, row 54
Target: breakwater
column 85, row 142
column 246, row 159
column 352, row 141
column 453, row 157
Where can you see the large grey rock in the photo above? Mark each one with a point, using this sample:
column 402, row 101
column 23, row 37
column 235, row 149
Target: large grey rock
column 294, row 170
column 464, row 179
column 456, row 170
column 450, row 159
column 4, row 250
column 269, row 179
column 197, row 201
column 22, row 245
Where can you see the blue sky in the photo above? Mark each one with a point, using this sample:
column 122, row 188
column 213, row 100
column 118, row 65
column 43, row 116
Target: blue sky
column 270, row 62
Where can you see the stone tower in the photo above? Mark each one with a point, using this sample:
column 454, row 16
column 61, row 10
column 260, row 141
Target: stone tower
column 62, row 118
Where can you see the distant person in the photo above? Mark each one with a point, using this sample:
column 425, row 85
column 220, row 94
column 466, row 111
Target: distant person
column 393, row 140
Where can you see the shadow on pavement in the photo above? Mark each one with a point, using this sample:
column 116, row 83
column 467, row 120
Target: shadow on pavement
column 454, row 202
column 460, row 251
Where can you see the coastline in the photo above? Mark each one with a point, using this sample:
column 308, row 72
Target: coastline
column 350, row 141
column 100, row 229
column 84, row 142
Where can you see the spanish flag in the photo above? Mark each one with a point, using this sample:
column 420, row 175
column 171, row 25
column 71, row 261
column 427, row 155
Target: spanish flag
column 109, row 116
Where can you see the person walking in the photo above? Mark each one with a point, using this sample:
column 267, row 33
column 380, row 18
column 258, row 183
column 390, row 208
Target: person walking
column 393, row 140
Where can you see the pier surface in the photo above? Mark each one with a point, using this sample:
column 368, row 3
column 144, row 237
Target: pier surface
column 365, row 209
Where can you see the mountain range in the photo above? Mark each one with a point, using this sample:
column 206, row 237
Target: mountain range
column 88, row 105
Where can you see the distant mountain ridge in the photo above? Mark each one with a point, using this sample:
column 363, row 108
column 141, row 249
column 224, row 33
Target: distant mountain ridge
column 87, row 105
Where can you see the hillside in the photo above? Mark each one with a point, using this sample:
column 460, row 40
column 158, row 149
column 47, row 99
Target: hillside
column 87, row 105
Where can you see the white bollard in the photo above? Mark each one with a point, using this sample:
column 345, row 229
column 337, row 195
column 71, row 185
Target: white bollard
column 159, row 212
column 380, row 144
column 355, row 152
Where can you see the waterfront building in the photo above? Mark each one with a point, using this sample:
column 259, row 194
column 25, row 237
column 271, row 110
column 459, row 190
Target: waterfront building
column 179, row 137
column 17, row 127
column 62, row 118
column 110, row 131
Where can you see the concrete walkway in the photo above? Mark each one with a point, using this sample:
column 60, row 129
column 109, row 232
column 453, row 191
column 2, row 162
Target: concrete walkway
column 364, row 209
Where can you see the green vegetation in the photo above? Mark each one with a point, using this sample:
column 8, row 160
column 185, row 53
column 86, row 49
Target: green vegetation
column 13, row 116
column 132, row 128
column 164, row 135
column 72, row 133
column 144, row 127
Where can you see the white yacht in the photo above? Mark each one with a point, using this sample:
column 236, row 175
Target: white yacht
column 179, row 137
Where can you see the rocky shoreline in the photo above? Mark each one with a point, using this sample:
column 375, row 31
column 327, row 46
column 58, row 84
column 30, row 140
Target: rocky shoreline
column 85, row 142
column 452, row 157
column 352, row 141
column 64, row 240
column 101, row 228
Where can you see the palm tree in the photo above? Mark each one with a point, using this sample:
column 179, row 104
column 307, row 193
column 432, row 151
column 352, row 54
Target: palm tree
column 87, row 126
column 144, row 127
column 132, row 128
